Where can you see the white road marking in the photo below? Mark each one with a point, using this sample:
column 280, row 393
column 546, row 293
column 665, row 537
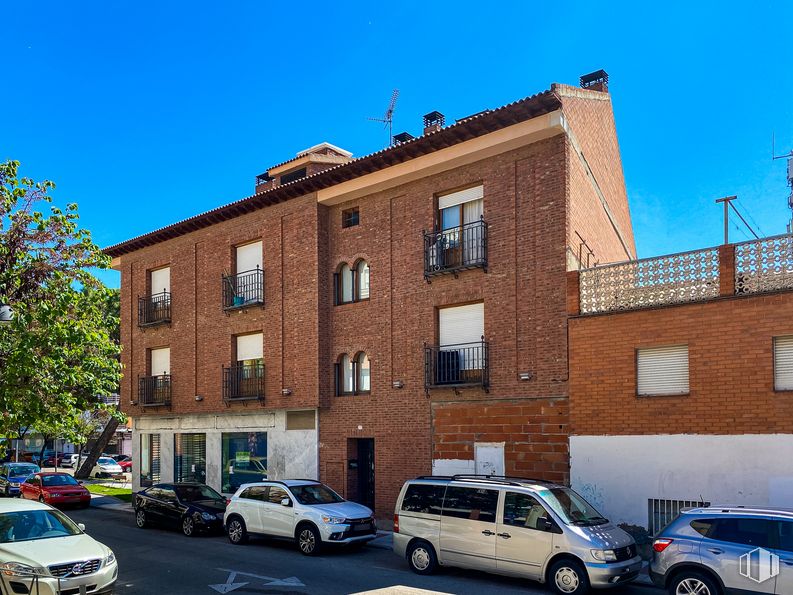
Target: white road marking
column 230, row 585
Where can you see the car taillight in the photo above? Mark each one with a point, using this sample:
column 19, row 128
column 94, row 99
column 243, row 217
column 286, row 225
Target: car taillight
column 660, row 545
column 396, row 523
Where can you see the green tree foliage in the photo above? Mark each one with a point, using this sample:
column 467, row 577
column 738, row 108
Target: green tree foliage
column 60, row 353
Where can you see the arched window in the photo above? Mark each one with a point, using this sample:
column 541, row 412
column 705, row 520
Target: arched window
column 351, row 284
column 345, row 376
column 362, row 280
column 363, row 373
column 353, row 375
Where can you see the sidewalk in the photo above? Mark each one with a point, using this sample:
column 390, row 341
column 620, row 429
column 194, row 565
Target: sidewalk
column 110, row 503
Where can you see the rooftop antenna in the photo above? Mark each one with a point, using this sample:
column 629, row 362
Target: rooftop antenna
column 388, row 117
column 789, row 158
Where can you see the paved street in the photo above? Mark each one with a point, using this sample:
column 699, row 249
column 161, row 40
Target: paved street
column 156, row 561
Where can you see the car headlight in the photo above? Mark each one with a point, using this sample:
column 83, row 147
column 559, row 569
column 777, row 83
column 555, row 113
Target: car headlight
column 604, row 555
column 207, row 517
column 21, row 570
column 110, row 558
column 14, row 484
column 332, row 520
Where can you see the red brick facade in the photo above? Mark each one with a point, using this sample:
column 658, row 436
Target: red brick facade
column 535, row 197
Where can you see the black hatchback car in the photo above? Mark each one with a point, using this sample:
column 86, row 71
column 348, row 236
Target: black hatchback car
column 191, row 507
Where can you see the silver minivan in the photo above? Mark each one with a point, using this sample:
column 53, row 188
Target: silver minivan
column 512, row 526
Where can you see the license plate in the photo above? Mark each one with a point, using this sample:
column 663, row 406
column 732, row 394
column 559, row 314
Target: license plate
column 361, row 527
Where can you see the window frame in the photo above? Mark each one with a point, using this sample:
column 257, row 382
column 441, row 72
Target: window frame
column 661, row 394
column 350, row 217
column 354, row 367
column 774, row 363
column 355, row 282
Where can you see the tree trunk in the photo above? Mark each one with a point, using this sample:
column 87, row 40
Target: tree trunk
column 85, row 469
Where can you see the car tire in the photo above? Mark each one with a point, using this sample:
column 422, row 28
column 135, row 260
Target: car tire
column 41, row 499
column 236, row 531
column 308, row 540
column 140, row 518
column 421, row 558
column 689, row 581
column 568, row 577
column 188, row 526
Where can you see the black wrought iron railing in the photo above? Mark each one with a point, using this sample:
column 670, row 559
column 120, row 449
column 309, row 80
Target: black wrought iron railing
column 455, row 249
column 243, row 289
column 154, row 391
column 457, row 365
column 243, row 382
column 154, row 309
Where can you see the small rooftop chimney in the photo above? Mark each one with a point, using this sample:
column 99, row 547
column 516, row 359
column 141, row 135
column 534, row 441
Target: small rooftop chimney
column 403, row 137
column 433, row 122
column 596, row 81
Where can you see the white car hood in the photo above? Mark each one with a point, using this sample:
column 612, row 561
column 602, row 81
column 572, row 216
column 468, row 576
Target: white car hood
column 55, row 550
column 350, row 510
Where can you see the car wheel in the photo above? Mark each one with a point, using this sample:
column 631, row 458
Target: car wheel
column 688, row 583
column 41, row 499
column 421, row 558
column 140, row 518
column 188, row 526
column 568, row 577
column 97, row 475
column 236, row 531
column 309, row 540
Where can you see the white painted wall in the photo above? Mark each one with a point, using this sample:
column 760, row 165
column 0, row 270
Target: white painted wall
column 290, row 454
column 618, row 474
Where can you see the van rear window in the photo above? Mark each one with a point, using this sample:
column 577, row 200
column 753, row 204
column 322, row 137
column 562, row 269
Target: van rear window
column 421, row 497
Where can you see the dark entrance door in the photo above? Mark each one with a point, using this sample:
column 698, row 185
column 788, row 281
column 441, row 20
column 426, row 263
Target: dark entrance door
column 361, row 471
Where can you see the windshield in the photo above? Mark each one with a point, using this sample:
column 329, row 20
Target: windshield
column 572, row 508
column 58, row 480
column 105, row 461
column 17, row 470
column 197, row 493
column 31, row 525
column 315, row 494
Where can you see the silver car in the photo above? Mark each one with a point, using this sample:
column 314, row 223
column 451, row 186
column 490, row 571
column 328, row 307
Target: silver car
column 721, row 551
column 512, row 526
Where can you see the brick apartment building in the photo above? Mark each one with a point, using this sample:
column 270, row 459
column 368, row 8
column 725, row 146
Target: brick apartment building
column 681, row 372
column 368, row 320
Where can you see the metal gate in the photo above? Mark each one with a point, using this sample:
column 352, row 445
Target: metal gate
column 190, row 454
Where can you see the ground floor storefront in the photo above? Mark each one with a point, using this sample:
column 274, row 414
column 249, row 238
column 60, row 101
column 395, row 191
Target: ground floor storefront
column 225, row 450
column 645, row 480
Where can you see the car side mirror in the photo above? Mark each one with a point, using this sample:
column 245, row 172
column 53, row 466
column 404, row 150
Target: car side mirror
column 81, row 526
column 543, row 524
column 80, row 481
column 286, row 502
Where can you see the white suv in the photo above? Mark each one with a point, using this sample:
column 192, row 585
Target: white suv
column 301, row 509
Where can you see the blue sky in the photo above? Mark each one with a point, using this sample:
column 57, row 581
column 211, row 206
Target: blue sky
column 146, row 113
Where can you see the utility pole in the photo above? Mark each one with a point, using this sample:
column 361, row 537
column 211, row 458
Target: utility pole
column 726, row 200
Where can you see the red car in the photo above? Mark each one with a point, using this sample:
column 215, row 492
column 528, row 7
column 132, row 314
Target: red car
column 124, row 461
column 55, row 488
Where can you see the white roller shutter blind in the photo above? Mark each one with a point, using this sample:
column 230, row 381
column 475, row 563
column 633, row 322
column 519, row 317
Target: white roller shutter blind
column 161, row 280
column 458, row 198
column 160, row 361
column 783, row 363
column 249, row 257
column 250, row 347
column 461, row 324
column 662, row 370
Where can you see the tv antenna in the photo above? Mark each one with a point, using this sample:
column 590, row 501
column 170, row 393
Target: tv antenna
column 789, row 158
column 388, row 117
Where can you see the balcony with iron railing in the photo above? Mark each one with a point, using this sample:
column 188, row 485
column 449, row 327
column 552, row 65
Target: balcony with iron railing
column 455, row 249
column 243, row 289
column 154, row 309
column 154, row 391
column 754, row 267
column 463, row 364
column 243, row 382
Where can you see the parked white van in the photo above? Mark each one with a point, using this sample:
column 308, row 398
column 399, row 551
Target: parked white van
column 512, row 526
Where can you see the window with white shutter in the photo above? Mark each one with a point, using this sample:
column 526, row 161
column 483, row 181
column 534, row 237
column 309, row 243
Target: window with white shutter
column 249, row 257
column 161, row 280
column 783, row 363
column 662, row 370
column 160, row 361
column 461, row 324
